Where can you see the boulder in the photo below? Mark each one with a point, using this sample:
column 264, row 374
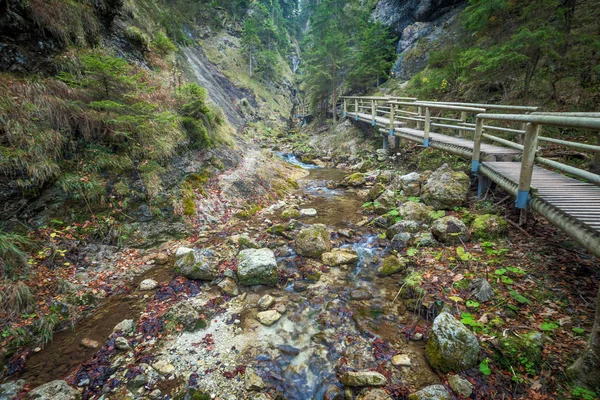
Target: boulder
column 290, row 213
column 460, row 385
column 400, row 241
column 356, row 179
column 308, row 212
column 489, row 226
column 451, row 345
column 122, row 344
column 363, row 378
column 445, row 189
column 433, row 392
column 373, row 394
column 415, row 211
column 337, row 257
column 391, row 265
column 265, row 302
column 268, row 317
column 423, row 239
column 148, row 284
column 408, row 226
column 449, row 230
column 257, row 267
column 191, row 315
column 196, row 264
column 55, row 390
column 10, row 390
column 375, row 191
column 127, row 326
column 313, row 241
column 411, row 184
column 384, row 203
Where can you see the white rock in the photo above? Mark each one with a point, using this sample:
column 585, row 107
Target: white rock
column 163, row 367
column 401, row 360
column 265, row 302
column 148, row 284
column 308, row 212
column 268, row 317
column 182, row 250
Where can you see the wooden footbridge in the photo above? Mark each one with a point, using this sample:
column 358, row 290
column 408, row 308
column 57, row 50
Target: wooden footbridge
column 567, row 196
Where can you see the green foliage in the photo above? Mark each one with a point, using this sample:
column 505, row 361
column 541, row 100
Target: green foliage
column 577, row 330
column 469, row 320
column 472, row 303
column 412, row 251
column 17, row 299
column 484, row 367
column 162, row 44
column 463, row 255
column 582, row 393
column 519, row 297
column 436, row 214
column 548, row 326
column 137, row 37
column 12, row 252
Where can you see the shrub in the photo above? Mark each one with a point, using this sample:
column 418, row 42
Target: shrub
column 163, row 44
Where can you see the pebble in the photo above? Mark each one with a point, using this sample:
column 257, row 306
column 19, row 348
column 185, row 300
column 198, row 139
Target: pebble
column 163, row 367
column 308, row 212
column 122, row 344
column 417, row 336
column 161, row 259
column 90, row 343
column 148, row 284
column 401, row 360
column 265, row 302
column 268, row 318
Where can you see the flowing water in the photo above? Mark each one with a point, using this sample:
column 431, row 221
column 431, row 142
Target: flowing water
column 347, row 319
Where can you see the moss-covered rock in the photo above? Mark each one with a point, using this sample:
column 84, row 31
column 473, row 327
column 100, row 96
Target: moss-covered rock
column 338, row 257
column 445, row 189
column 375, row 191
column 400, row 241
column 414, row 211
column 489, row 226
column 433, row 392
column 524, row 350
column 391, row 265
column 423, row 239
column 411, row 184
column 451, row 345
column 196, row 264
column 409, row 226
column 449, row 230
column 384, row 203
column 356, row 179
column 313, row 241
column 257, row 267
column 290, row 213
column 279, row 229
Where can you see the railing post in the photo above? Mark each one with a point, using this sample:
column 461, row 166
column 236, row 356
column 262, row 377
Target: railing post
column 427, row 127
column 345, row 108
column 463, row 119
column 392, row 118
column 527, row 163
column 477, row 145
column 372, row 112
column 356, row 108
column 386, row 144
column 420, row 112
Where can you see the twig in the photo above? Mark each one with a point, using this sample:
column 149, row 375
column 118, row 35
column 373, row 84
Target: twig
column 399, row 291
column 502, row 201
column 519, row 228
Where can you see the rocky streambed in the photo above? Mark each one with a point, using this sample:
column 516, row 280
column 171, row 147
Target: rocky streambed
column 307, row 300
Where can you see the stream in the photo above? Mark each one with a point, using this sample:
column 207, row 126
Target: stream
column 348, row 319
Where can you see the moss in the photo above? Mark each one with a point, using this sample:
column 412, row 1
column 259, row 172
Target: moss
column 391, row 265
column 356, row 179
column 249, row 211
column 524, row 350
column 293, row 184
column 189, row 206
column 278, row 229
column 489, row 226
column 412, row 284
column 431, row 159
column 290, row 212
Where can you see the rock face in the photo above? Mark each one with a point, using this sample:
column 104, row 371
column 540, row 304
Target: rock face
column 489, row 226
column 196, row 264
column 337, row 257
column 433, row 392
column 449, row 230
column 257, row 267
column 445, row 189
column 451, row 345
column 363, row 378
column 313, row 241
column 55, row 390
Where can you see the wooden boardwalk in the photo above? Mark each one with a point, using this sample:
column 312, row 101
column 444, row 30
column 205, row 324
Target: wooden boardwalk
column 571, row 204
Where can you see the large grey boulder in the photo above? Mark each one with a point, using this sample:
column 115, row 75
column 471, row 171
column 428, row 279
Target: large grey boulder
column 451, row 345
column 257, row 267
column 449, row 230
column 196, row 264
column 411, row 210
column 9, row 390
column 313, row 241
column 445, row 189
column 55, row 390
column 407, row 226
column 433, row 392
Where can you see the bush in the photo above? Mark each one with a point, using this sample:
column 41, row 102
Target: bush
column 163, row 44
column 137, row 37
column 12, row 252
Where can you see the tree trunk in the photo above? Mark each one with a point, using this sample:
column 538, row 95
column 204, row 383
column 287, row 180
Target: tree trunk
column 531, row 67
column 586, row 370
column 334, row 94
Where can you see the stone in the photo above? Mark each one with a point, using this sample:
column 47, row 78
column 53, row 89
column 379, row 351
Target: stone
column 451, row 345
column 449, row 230
column 313, row 241
column 290, row 213
column 400, row 241
column 361, row 294
column 489, row 226
column 257, row 267
column 411, row 184
column 445, row 189
column 384, row 203
column 337, row 257
column 229, row 287
column 373, row 394
column 9, row 390
column 460, row 386
column 90, row 343
column 481, row 289
column 391, row 265
column 252, row 381
column 415, row 211
column 163, row 367
column 161, row 259
column 280, row 308
column 356, row 179
column 265, row 302
column 363, row 378
column 433, row 392
column 423, row 239
column 375, row 191
column 382, row 221
column 196, row 264
column 401, row 360
column 55, row 390
column 525, row 350
column 409, row 226
column 190, row 314
column 268, row 317
column 148, row 284
column 126, row 327
column 245, row 242
column 308, row 212
column 122, row 344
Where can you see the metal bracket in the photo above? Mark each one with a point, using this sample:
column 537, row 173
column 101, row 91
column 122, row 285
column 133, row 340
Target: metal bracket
column 426, row 142
column 474, row 166
column 522, row 199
